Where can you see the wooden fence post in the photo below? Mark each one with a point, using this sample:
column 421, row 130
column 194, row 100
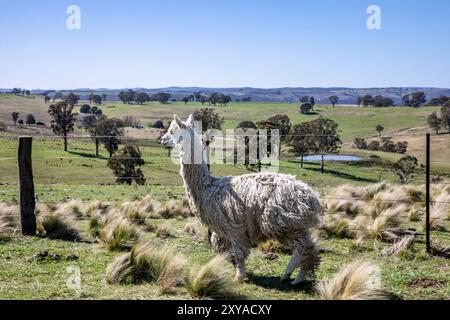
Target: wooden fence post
column 27, row 198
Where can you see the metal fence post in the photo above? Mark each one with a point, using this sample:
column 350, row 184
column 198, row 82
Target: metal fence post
column 428, row 195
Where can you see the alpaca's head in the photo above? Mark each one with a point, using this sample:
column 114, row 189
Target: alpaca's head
column 179, row 132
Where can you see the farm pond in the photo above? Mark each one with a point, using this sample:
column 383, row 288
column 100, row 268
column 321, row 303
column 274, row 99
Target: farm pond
column 331, row 157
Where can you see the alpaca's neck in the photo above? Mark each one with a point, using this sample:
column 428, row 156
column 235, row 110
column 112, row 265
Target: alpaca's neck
column 194, row 171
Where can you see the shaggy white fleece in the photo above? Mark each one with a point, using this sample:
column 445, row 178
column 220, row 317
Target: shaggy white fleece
column 246, row 210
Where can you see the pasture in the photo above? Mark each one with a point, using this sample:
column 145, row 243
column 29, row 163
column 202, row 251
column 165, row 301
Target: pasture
column 61, row 176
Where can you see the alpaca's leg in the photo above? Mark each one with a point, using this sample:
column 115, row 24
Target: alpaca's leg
column 240, row 254
column 308, row 261
column 293, row 263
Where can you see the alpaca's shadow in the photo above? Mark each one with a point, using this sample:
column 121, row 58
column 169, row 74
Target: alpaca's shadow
column 271, row 282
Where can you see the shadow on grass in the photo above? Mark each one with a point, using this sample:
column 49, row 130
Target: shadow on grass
column 343, row 175
column 271, row 282
column 88, row 155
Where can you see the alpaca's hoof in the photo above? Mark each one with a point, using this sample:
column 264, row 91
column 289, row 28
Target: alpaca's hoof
column 295, row 283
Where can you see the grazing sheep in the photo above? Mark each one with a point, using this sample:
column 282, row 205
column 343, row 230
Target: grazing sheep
column 246, row 210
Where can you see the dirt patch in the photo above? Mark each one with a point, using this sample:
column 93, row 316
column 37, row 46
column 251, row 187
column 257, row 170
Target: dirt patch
column 426, row 283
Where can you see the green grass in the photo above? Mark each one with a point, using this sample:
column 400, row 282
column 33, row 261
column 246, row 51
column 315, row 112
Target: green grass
column 22, row 278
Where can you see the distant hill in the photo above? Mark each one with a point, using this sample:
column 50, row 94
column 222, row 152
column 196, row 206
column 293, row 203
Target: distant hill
column 346, row 95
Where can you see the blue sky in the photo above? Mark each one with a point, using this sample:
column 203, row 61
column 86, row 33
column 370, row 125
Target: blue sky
column 224, row 43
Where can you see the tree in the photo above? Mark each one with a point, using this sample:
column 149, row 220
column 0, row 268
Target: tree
column 301, row 140
column 20, row 122
column 326, row 138
column 379, row 128
column 380, row 102
column 405, row 168
column 312, row 102
column 126, row 165
column 109, row 131
column 15, row 117
column 90, row 124
column 63, row 119
column 246, row 124
column 72, row 99
column 415, row 99
column 304, row 99
column 96, row 99
column 104, row 97
column 250, row 129
column 247, row 99
column 161, row 97
column 367, row 100
column 278, row 122
column 97, row 111
column 30, row 119
column 438, row 102
column 210, row 119
column 305, row 108
column 141, row 98
column 91, row 97
column 359, row 101
column 334, row 100
column 445, row 115
column 126, row 96
column 27, row 92
column 85, row 108
column 434, row 122
column 57, row 95
column 158, row 124
column 185, row 100
column 360, row 143
column 46, row 99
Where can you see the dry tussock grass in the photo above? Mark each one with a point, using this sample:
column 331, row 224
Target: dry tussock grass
column 381, row 211
column 357, row 281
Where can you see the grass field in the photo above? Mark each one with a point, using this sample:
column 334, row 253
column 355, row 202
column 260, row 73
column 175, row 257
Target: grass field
column 77, row 174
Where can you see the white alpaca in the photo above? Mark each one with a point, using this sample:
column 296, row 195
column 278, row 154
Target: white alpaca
column 246, row 210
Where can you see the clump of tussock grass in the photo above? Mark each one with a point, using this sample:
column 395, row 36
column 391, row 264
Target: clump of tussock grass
column 119, row 234
column 357, row 281
column 74, row 208
column 147, row 263
column 174, row 209
column 164, row 231
column 272, row 246
column 406, row 242
column 438, row 218
column 438, row 249
column 384, row 226
column 336, row 226
column 213, row 280
column 54, row 225
column 9, row 218
column 101, row 207
column 193, row 227
column 133, row 212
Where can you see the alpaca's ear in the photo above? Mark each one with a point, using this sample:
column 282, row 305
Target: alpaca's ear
column 179, row 122
column 190, row 121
